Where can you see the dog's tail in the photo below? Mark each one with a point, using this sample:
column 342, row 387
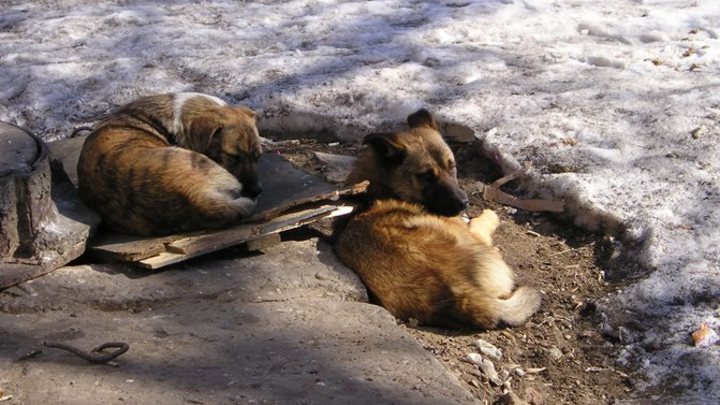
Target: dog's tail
column 516, row 310
column 218, row 197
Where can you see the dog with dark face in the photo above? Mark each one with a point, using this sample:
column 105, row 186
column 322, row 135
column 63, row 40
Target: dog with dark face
column 172, row 163
column 417, row 257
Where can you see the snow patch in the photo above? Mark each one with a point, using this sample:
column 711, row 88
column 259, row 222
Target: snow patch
column 602, row 98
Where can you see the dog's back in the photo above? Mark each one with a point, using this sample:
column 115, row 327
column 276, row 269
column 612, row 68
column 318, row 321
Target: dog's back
column 418, row 264
column 144, row 173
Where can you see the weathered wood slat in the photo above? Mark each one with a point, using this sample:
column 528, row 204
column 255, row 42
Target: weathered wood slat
column 286, row 188
column 243, row 233
column 128, row 248
column 192, row 246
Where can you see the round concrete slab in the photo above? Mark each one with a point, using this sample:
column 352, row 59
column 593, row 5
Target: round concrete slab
column 18, row 149
column 42, row 223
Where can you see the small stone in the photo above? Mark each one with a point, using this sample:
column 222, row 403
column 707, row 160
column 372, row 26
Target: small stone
column 519, row 372
column 705, row 336
column 432, row 62
column 534, row 397
column 697, row 132
column 488, row 369
column 657, row 62
column 554, row 353
column 536, row 370
column 510, row 398
column 474, row 358
column 488, row 349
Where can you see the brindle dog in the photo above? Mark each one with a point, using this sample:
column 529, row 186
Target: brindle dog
column 172, row 163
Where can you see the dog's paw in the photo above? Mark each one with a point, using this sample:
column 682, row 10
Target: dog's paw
column 491, row 216
column 244, row 205
column 484, row 225
column 488, row 219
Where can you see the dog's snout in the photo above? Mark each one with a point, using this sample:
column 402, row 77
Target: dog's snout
column 447, row 201
column 460, row 199
column 253, row 190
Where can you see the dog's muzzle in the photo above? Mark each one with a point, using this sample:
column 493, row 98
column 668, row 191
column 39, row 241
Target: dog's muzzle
column 252, row 190
column 448, row 202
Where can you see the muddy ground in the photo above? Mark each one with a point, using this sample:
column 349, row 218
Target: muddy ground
column 560, row 356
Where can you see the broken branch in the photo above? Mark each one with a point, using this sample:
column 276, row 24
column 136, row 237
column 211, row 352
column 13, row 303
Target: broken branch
column 492, row 193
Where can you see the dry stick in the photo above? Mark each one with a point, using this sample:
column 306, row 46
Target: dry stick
column 492, row 193
column 93, row 358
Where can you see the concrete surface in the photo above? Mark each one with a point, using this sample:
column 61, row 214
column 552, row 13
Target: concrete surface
column 290, row 326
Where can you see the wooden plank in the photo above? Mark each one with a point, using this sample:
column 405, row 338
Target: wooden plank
column 286, row 187
column 265, row 242
column 284, row 184
column 197, row 245
column 119, row 247
column 243, row 233
column 293, row 201
column 161, row 260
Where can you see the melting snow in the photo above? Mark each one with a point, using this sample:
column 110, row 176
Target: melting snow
column 613, row 91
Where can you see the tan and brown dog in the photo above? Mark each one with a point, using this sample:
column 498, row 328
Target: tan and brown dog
column 416, row 256
column 171, row 163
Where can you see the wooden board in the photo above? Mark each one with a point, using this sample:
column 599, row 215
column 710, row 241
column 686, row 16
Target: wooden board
column 291, row 198
column 196, row 245
column 110, row 246
column 285, row 187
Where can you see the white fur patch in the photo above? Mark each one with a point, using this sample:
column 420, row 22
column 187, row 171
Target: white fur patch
column 179, row 103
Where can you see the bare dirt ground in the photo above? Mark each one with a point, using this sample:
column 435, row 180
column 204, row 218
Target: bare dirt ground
column 560, row 356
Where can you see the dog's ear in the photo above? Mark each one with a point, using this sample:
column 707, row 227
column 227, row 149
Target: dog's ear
column 200, row 132
column 422, row 118
column 245, row 111
column 386, row 147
